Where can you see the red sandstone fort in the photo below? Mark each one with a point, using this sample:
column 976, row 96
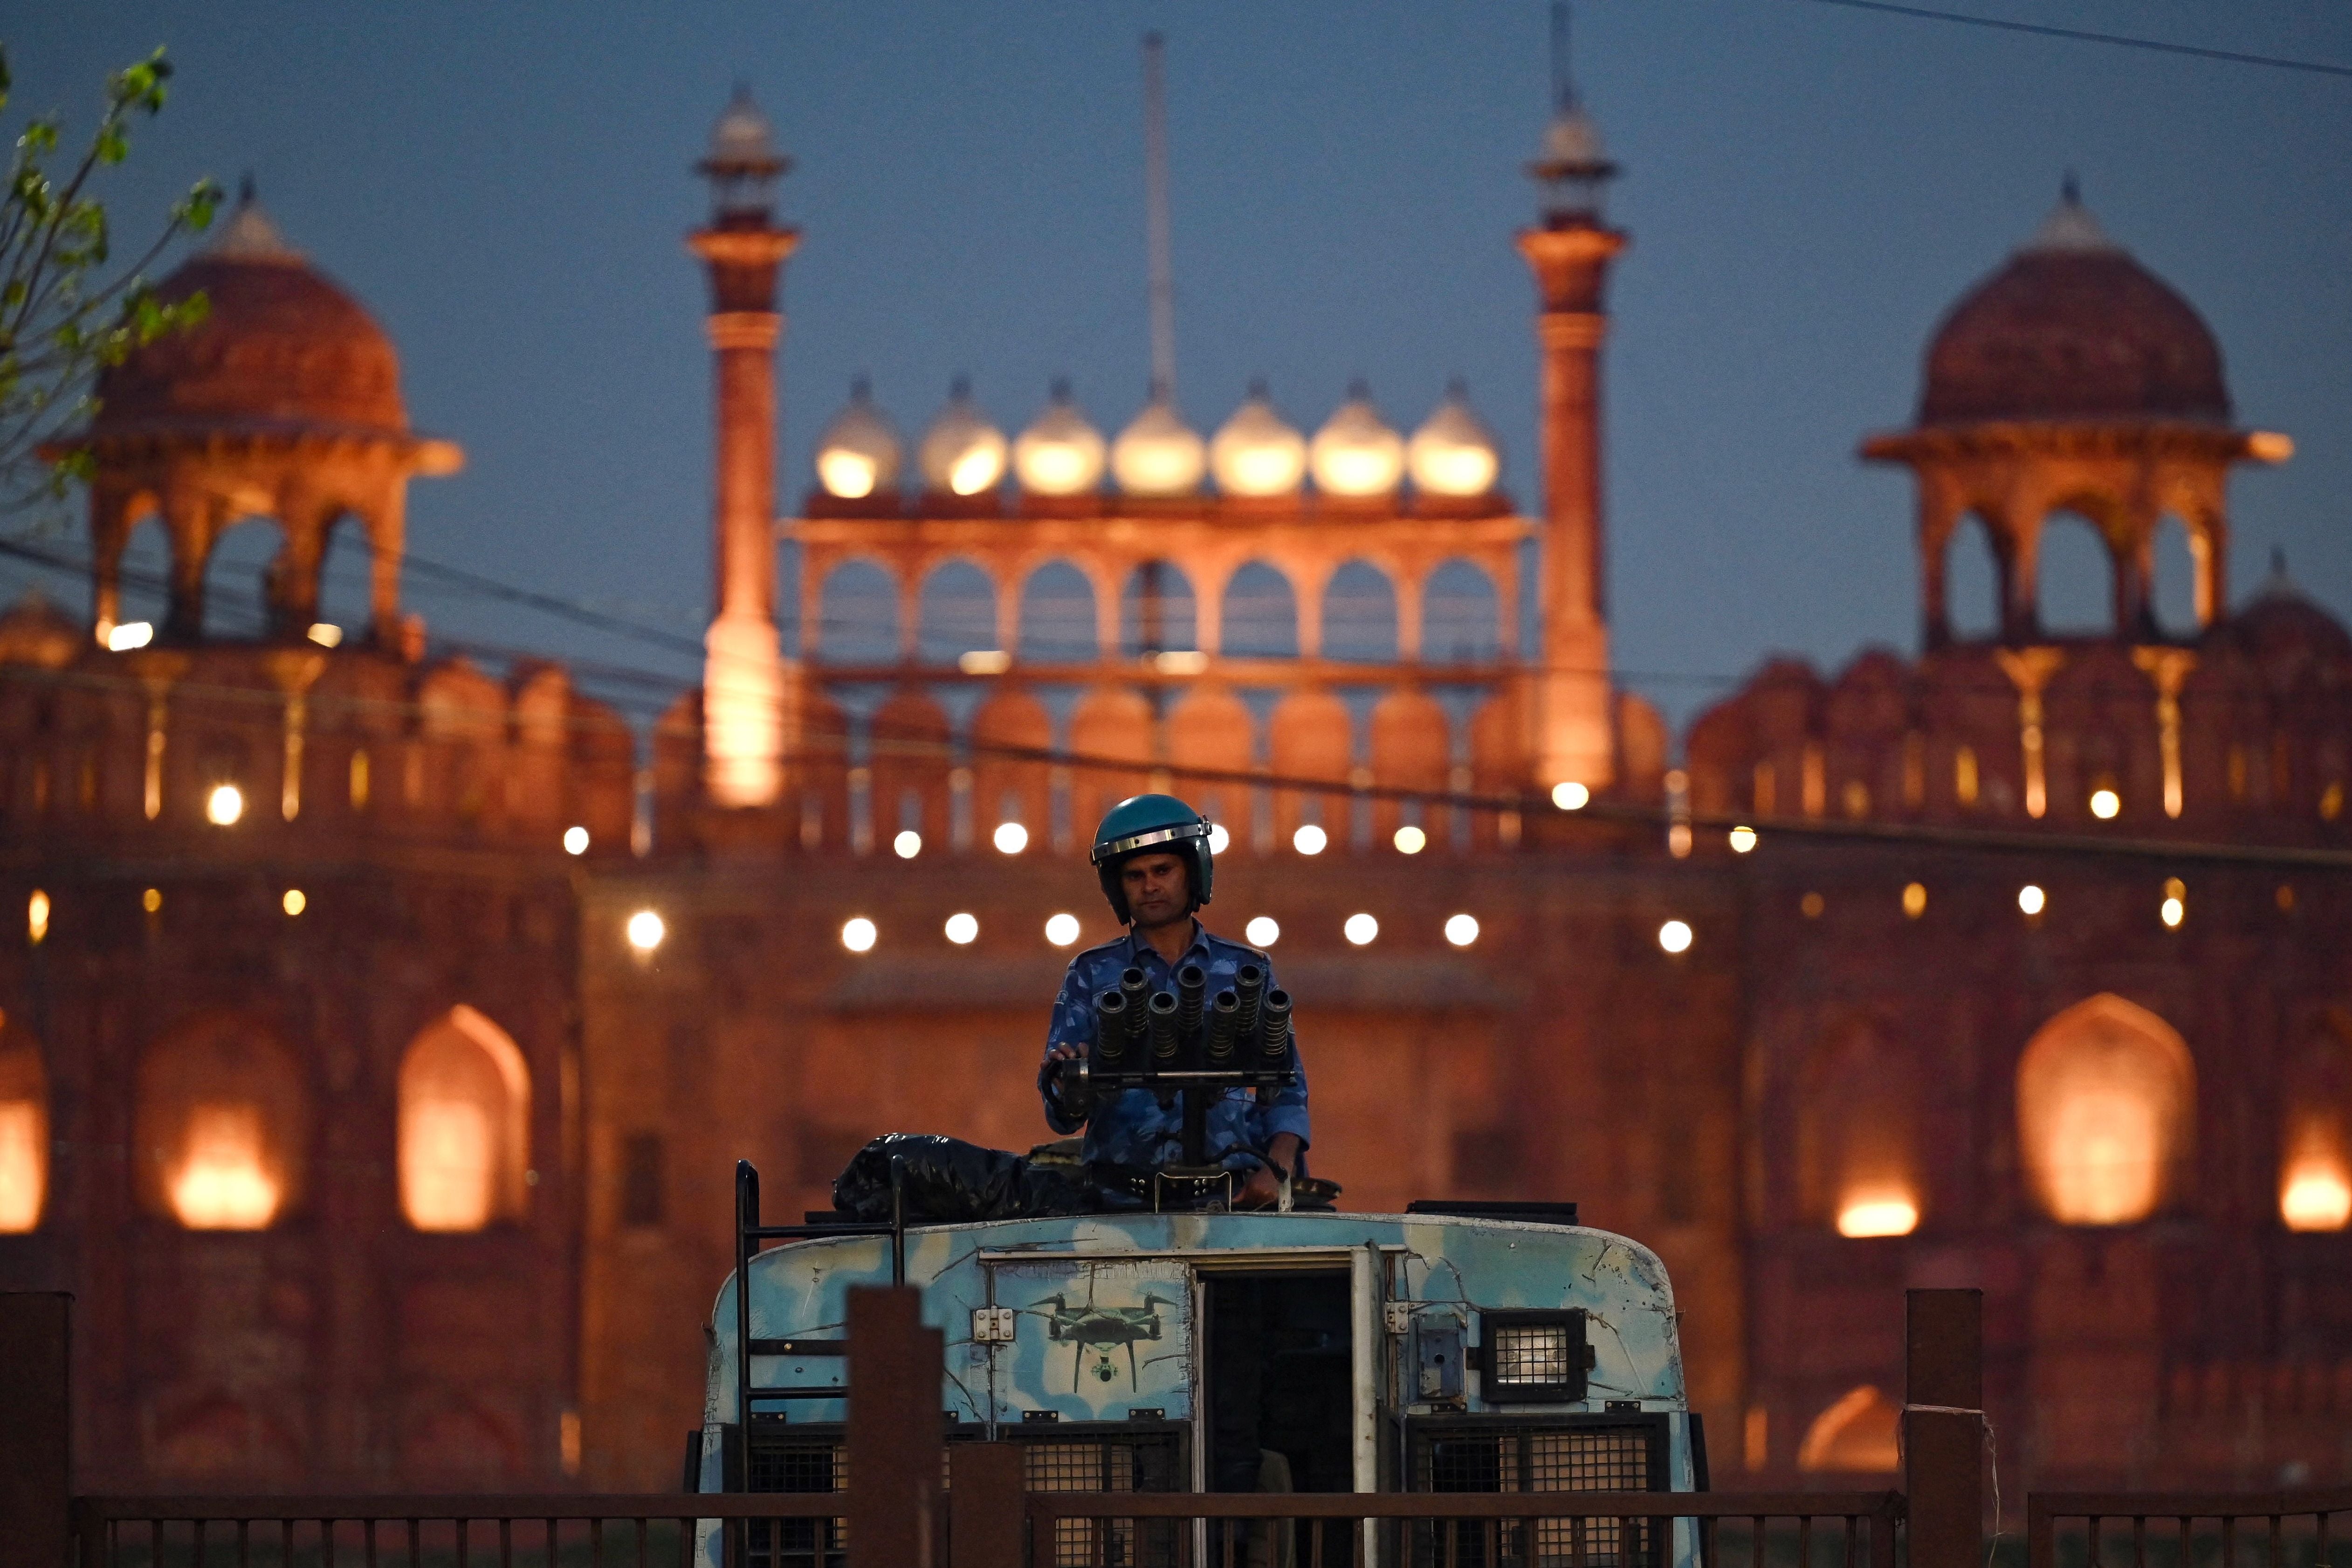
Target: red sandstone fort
column 380, row 1031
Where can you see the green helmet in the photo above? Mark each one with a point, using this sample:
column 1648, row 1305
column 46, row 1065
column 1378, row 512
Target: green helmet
column 1156, row 822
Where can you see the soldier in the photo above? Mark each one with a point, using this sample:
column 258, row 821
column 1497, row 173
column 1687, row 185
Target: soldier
column 1152, row 855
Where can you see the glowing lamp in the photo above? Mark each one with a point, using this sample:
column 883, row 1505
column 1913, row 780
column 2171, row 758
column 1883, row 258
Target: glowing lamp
column 2106, row 803
column 985, row 661
column 1570, row 796
column 1882, row 1214
column 858, row 453
column 1742, row 839
column 575, row 841
column 1309, row 839
column 2269, row 447
column 2032, row 900
column 1062, row 930
column 1915, row 900
column 962, row 453
column 1158, row 455
column 858, row 933
column 1256, row 452
column 962, row 928
column 151, row 900
column 1181, row 661
column 1411, row 840
column 1010, row 839
column 1462, row 930
column 1060, row 453
column 221, row 1182
column 1453, row 453
column 1218, row 839
column 37, row 918
column 326, row 634
column 1262, row 931
column 1674, row 936
column 224, row 805
column 908, row 845
column 2172, row 913
column 295, row 901
column 2315, row 1196
column 646, row 930
column 1356, row 453
column 1360, row 929
column 130, row 634
column 850, row 475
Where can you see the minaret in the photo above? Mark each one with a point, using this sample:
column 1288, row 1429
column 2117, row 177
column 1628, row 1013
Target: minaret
column 746, row 722
column 1570, row 251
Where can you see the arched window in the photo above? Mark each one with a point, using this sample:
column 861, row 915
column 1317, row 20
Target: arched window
column 858, row 611
column 465, row 1124
column 1360, row 614
column 146, row 575
column 236, row 577
column 1058, row 616
column 1971, row 581
column 1856, row 1433
column 2075, row 576
column 1261, row 618
column 959, row 613
column 2105, row 1095
column 2174, row 600
column 1461, row 618
column 24, row 1133
column 2315, row 1145
column 1858, row 1134
column 1157, row 612
column 220, row 1123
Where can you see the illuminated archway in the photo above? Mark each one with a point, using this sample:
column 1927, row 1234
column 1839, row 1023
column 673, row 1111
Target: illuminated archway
column 465, row 1124
column 220, row 1125
column 2105, row 1093
column 2316, row 1143
column 1856, row 1433
column 24, row 1134
column 1858, row 1133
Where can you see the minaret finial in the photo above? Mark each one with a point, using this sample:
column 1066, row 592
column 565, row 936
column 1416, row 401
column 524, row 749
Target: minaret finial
column 1563, row 79
column 2070, row 190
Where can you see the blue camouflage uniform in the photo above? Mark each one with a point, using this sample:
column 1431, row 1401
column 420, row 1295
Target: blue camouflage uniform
column 1132, row 1129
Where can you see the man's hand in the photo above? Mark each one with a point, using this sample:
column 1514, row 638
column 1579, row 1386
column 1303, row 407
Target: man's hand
column 1264, row 1188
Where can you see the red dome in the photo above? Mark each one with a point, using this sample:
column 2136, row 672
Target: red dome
column 281, row 347
column 2073, row 329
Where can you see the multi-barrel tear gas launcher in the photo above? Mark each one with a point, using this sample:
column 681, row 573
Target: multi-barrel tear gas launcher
column 1183, row 1042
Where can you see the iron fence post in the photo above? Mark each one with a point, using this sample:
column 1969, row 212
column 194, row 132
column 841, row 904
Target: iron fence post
column 37, row 1432
column 1943, row 1427
column 896, row 1367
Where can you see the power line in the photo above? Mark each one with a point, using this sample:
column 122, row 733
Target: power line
column 1925, row 12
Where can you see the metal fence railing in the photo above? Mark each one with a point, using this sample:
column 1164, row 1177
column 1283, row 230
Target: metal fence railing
column 2189, row 1530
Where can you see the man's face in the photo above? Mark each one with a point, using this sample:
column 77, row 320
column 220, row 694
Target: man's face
column 1158, row 889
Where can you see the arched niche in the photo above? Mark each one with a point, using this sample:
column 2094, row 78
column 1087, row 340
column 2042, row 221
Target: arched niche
column 857, row 615
column 220, row 1125
column 145, row 575
column 1260, row 614
column 1209, row 727
column 2105, row 1106
column 1858, row 1133
column 1971, row 581
column 909, row 743
column 1360, row 614
column 237, row 570
column 1058, row 618
column 1010, row 788
column 1311, row 736
column 24, row 1133
column 957, row 613
column 2314, row 1188
column 1461, row 615
column 1157, row 611
column 1112, row 723
column 346, row 566
column 1854, row 1434
column 2074, row 576
column 465, row 1124
column 1412, row 748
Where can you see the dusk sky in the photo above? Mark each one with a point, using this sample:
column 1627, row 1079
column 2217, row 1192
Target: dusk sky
column 1808, row 188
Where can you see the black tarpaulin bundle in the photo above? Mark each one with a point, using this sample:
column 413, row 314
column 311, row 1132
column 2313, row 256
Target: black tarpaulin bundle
column 947, row 1180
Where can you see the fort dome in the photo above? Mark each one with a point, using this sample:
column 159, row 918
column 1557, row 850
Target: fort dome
column 1060, row 454
column 1256, row 452
column 1453, row 453
column 280, row 348
column 858, row 453
column 962, row 454
column 1158, row 455
column 2073, row 328
column 1356, row 453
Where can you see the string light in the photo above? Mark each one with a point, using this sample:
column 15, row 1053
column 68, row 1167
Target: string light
column 1743, row 840
column 1010, row 839
column 961, row 928
column 2032, row 899
column 858, row 935
column 1360, row 929
column 1570, row 796
column 646, row 930
column 1915, row 899
column 908, row 845
column 1218, row 839
column 1674, row 936
column 1309, row 839
column 1411, row 840
column 224, row 805
column 295, row 901
column 37, row 916
column 1062, row 930
column 2175, row 908
column 1462, row 930
column 575, row 841
column 1263, row 931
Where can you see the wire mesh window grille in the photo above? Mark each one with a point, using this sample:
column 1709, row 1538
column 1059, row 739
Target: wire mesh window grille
column 1586, row 1456
column 1529, row 1352
column 1147, row 1463
column 795, row 1462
